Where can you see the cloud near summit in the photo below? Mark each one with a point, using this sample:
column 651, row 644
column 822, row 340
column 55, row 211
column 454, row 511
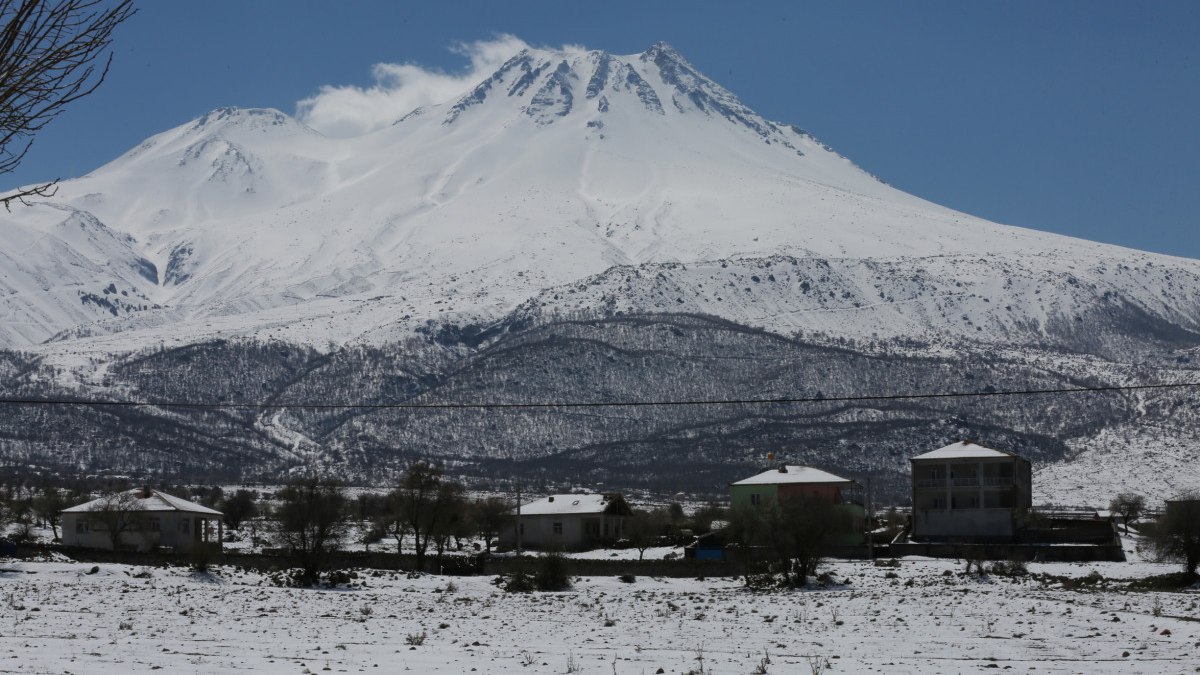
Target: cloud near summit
column 399, row 87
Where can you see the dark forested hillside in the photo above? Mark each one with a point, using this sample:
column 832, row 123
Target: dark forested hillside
column 669, row 448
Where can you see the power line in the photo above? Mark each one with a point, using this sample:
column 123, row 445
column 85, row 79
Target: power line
column 585, row 404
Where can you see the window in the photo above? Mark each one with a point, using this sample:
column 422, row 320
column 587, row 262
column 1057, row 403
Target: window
column 755, row 498
column 557, row 528
column 521, row 527
column 184, row 525
column 154, row 524
column 81, row 527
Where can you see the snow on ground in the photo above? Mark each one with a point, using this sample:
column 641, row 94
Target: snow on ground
column 929, row 618
column 652, row 553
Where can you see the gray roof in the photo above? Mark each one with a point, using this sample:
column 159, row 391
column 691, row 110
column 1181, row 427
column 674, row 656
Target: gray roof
column 792, row 474
column 157, row 501
column 964, row 450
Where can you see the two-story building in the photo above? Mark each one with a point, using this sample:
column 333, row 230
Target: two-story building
column 969, row 492
column 793, row 481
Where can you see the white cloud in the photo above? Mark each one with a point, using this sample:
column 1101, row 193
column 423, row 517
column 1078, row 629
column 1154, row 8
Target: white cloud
column 399, row 87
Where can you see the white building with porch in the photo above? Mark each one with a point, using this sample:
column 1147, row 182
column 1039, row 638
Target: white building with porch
column 567, row 522
column 143, row 519
column 969, row 492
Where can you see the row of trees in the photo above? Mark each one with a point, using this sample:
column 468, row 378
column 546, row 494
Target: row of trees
column 314, row 516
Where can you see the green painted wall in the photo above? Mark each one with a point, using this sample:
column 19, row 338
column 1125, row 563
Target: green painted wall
column 739, row 495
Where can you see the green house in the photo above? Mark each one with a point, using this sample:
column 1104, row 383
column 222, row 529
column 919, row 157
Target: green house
column 792, row 481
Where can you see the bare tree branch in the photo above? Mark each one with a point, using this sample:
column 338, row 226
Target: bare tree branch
column 50, row 53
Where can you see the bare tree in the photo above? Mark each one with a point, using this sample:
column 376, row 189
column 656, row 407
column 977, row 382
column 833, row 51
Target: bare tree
column 238, row 507
column 428, row 501
column 799, row 531
column 807, row 531
column 118, row 512
column 311, row 522
column 48, row 505
column 1176, row 535
column 489, row 516
column 393, row 519
column 49, row 58
column 644, row 529
column 1128, row 507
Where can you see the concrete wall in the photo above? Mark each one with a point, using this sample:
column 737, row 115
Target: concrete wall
column 963, row 523
column 539, row 531
column 740, row 495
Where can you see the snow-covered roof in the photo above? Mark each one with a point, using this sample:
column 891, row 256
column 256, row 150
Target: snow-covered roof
column 157, row 501
column 567, row 504
column 964, row 450
column 792, row 474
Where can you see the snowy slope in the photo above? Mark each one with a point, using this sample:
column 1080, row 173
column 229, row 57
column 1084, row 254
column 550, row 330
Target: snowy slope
column 561, row 168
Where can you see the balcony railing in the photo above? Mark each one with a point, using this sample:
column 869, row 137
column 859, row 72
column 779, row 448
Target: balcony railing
column 967, row 481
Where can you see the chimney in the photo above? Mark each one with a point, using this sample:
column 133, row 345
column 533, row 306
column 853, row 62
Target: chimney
column 783, row 468
column 147, row 493
column 551, row 497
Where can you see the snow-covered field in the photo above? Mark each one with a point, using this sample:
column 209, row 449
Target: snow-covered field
column 929, row 618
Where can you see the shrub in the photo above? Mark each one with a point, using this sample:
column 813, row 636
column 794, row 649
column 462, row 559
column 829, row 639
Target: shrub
column 517, row 582
column 761, row 581
column 200, row 559
column 1163, row 582
column 1011, row 568
column 551, row 573
column 627, row 578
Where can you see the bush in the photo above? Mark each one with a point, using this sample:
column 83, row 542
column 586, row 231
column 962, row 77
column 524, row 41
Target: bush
column 1163, row 582
column 200, row 559
column 627, row 578
column 517, row 582
column 762, row 581
column 552, row 574
column 1011, row 568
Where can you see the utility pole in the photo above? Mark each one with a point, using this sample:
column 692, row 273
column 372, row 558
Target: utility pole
column 870, row 523
column 518, row 526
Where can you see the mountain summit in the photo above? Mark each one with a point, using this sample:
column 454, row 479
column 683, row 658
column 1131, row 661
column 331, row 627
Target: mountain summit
column 566, row 180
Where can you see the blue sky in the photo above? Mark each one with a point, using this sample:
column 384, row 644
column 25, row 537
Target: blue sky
column 1076, row 117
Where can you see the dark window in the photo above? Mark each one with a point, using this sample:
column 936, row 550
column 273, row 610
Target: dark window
column 557, row 527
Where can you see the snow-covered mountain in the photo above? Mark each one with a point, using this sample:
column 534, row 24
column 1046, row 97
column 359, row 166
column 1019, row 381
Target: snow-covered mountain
column 578, row 226
column 565, row 180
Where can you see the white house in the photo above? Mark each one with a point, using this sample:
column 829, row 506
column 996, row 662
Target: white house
column 143, row 519
column 567, row 522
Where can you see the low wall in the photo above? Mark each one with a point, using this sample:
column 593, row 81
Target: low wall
column 1024, row 552
column 451, row 564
